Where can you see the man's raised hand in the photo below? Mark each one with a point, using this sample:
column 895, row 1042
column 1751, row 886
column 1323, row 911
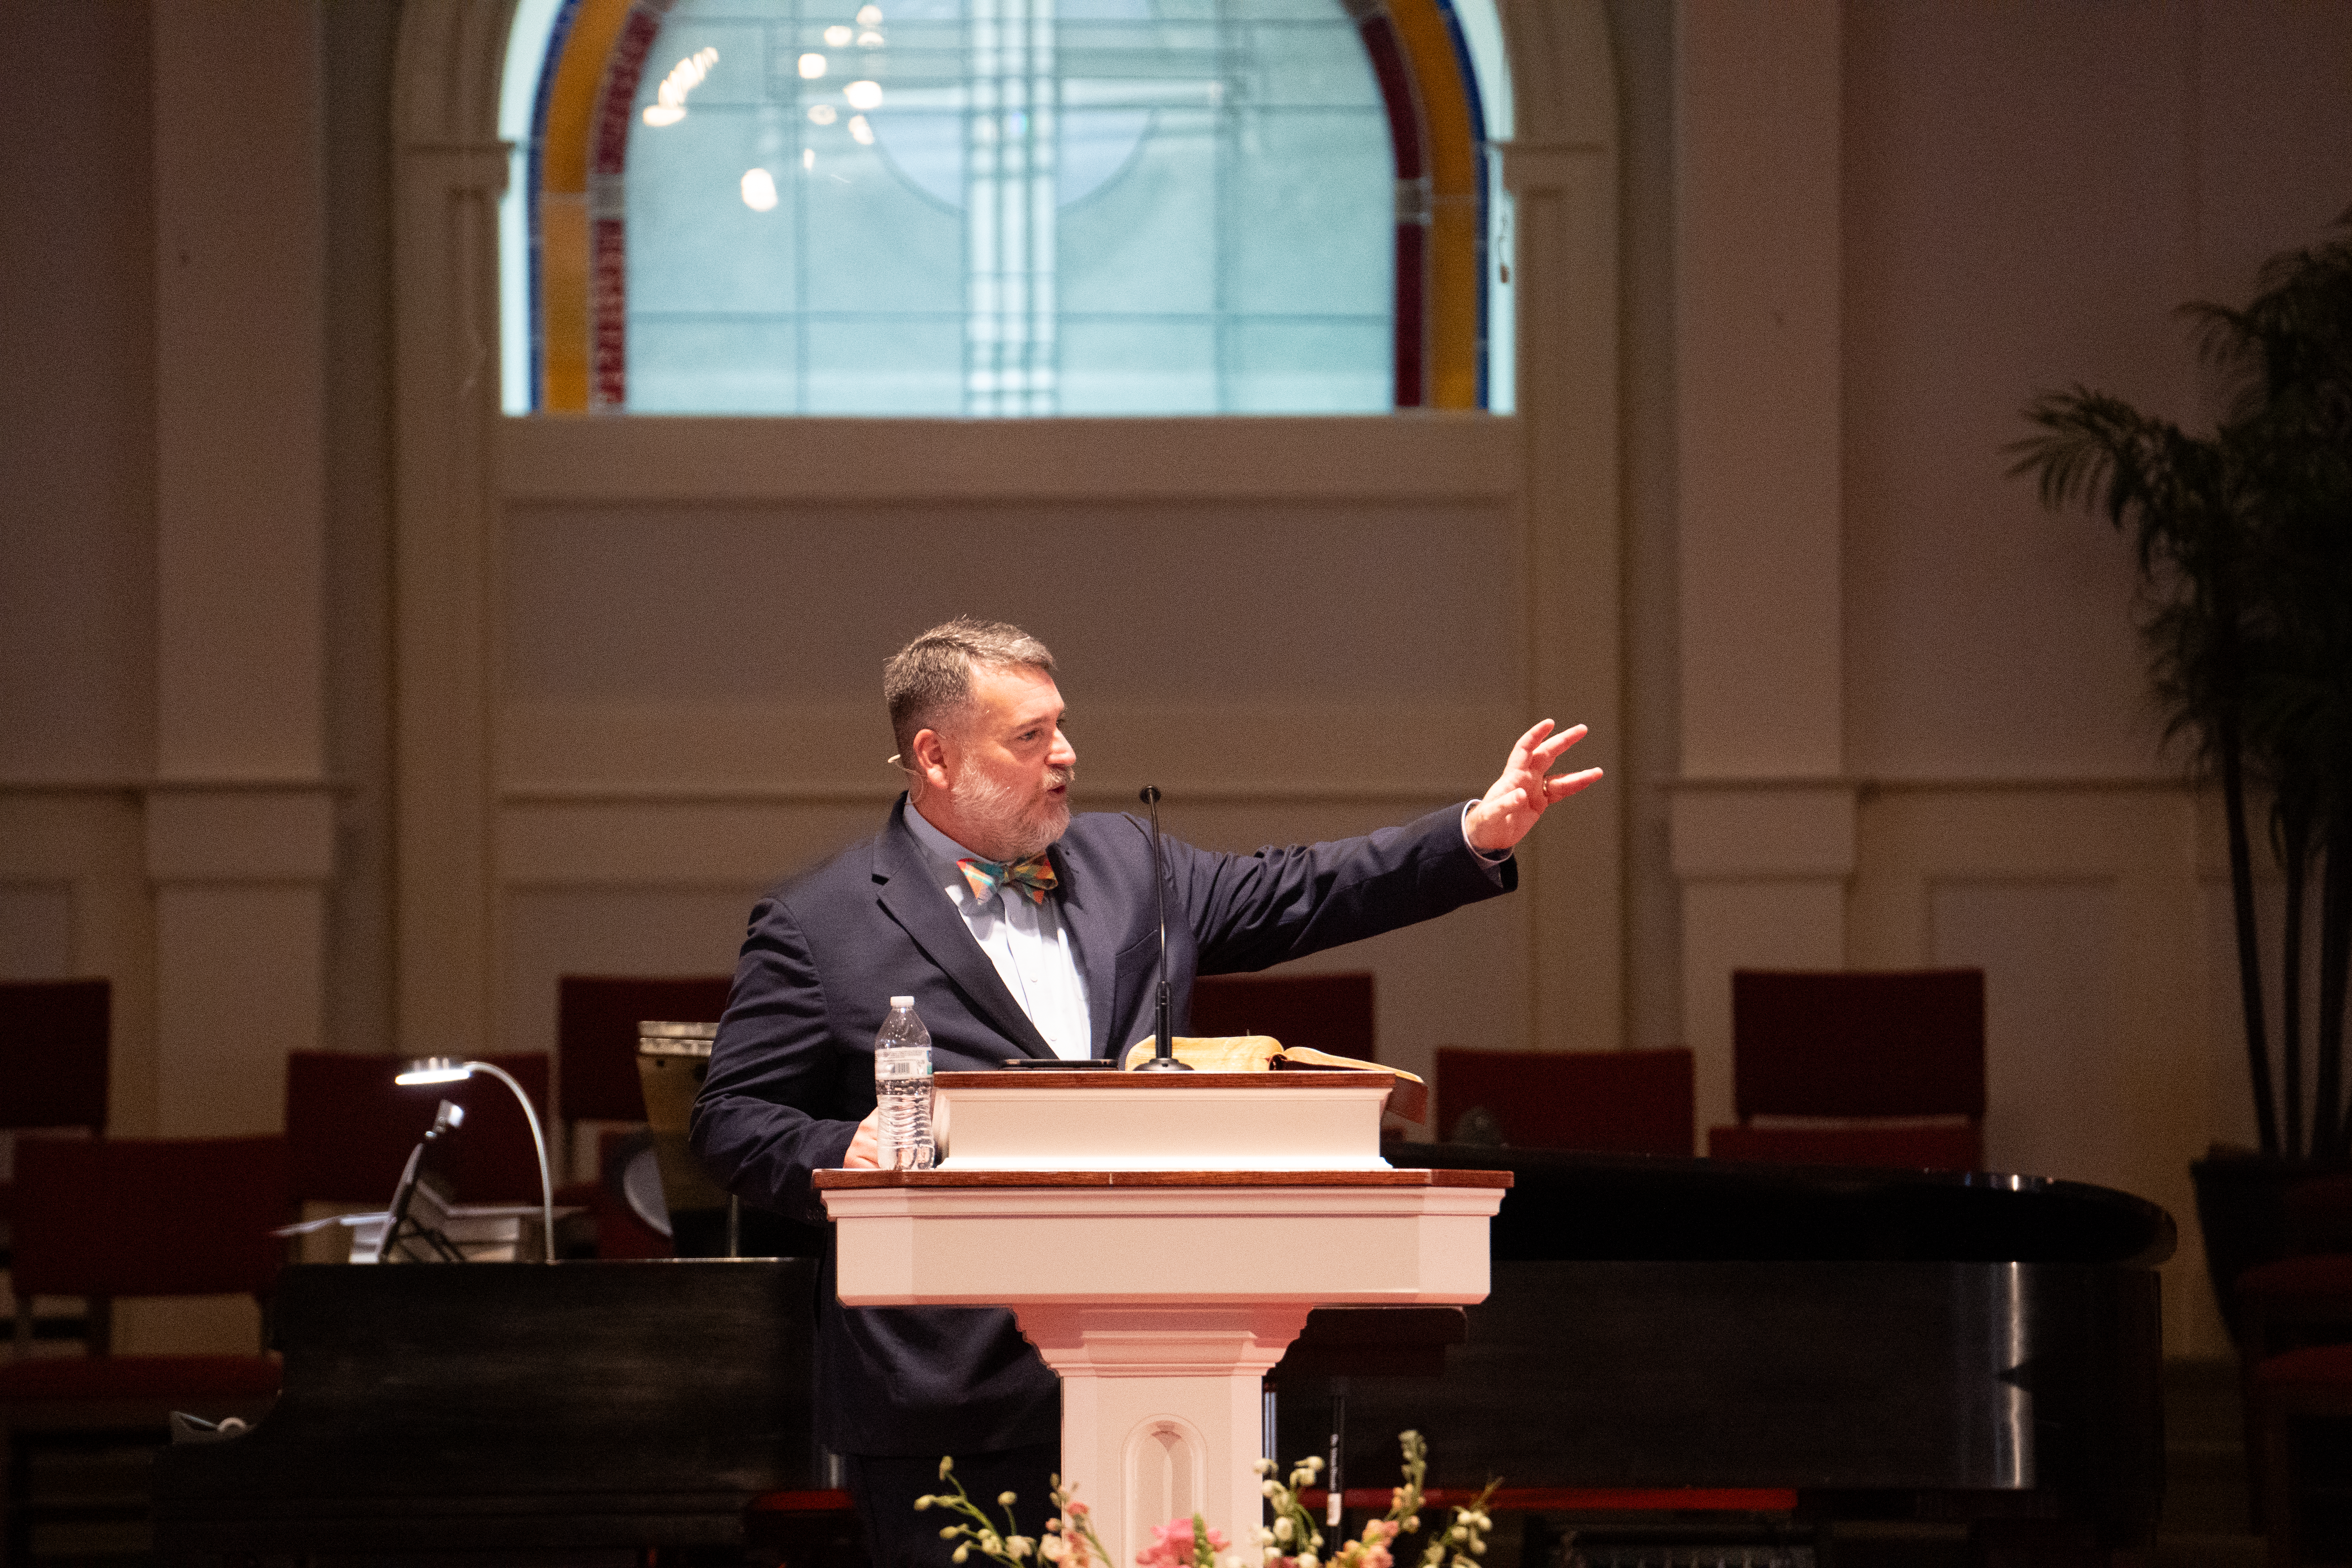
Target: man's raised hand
column 1509, row 809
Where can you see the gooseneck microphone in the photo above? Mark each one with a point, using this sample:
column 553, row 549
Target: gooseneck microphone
column 1163, row 1046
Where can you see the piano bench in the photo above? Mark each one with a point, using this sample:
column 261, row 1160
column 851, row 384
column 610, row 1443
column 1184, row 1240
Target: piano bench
column 2307, row 1496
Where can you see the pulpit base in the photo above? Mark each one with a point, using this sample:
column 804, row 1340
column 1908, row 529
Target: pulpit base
column 1160, row 1405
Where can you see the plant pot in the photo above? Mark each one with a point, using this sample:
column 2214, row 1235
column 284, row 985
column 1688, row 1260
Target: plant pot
column 2243, row 1212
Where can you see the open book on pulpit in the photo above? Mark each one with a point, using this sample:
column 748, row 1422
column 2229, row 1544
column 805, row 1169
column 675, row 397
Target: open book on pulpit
column 1408, row 1098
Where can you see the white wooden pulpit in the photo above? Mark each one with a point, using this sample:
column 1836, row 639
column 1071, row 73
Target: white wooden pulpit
column 1162, row 1237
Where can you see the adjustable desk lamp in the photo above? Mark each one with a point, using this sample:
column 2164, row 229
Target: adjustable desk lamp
column 449, row 1069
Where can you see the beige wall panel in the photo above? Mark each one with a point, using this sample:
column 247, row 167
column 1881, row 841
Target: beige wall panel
column 237, row 983
column 2049, row 952
column 36, row 930
column 1756, row 375
column 77, row 398
column 2002, row 239
column 1165, row 604
column 2145, row 1106
column 2273, row 133
column 92, row 844
column 240, row 432
column 1422, row 456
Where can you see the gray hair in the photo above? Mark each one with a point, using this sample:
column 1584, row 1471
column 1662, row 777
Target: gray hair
column 927, row 683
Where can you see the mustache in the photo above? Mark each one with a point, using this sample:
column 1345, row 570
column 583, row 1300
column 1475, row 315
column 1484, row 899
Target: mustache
column 1056, row 778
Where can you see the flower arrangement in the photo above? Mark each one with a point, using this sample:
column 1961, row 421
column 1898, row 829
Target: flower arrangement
column 1069, row 1541
column 1293, row 1541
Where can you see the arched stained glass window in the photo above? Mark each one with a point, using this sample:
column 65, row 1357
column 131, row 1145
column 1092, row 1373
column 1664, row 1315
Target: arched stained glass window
column 1005, row 207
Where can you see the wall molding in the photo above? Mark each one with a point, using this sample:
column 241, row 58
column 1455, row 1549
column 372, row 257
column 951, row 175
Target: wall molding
column 1411, row 458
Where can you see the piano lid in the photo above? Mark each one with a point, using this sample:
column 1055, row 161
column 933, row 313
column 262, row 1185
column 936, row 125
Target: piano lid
column 1650, row 1209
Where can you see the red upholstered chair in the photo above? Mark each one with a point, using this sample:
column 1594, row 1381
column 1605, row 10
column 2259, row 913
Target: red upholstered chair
column 1632, row 1103
column 349, row 1128
column 1887, row 1068
column 596, row 1019
column 2292, row 1302
column 54, row 1035
column 2305, row 1474
column 107, row 1218
column 1330, row 1013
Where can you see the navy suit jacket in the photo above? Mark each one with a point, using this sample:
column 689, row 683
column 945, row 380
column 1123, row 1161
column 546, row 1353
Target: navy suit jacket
column 793, row 1072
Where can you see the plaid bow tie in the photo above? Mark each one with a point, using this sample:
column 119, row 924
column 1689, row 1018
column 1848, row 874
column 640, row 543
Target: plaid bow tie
column 1033, row 876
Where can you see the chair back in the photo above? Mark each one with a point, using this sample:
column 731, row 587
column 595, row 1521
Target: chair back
column 53, row 1053
column 1331, row 1013
column 1629, row 1102
column 349, row 1128
column 149, row 1216
column 596, row 1019
column 1858, row 1044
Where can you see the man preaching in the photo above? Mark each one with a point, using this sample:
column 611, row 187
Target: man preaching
column 1021, row 930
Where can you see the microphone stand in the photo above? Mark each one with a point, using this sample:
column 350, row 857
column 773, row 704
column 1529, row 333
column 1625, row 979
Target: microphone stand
column 1163, row 1046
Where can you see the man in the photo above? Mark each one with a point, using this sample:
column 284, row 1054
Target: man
column 1020, row 931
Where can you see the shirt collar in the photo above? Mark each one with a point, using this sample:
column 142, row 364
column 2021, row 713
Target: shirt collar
column 945, row 852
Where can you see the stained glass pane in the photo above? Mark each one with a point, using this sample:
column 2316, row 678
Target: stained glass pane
column 1009, row 207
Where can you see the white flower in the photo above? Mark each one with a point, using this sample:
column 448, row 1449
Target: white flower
column 945, row 1464
column 961, row 1552
column 1053, row 1549
column 1284, row 1529
column 1020, row 1546
column 950, row 1532
column 924, row 1501
column 1306, row 1560
column 1006, row 1499
column 1265, row 1467
column 1271, row 1489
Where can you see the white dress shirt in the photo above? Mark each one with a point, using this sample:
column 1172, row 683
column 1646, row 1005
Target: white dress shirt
column 1026, row 942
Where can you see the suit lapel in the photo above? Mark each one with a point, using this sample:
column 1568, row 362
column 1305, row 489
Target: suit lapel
column 1096, row 942
column 924, row 913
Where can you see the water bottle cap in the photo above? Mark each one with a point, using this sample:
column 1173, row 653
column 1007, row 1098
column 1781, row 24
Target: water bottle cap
column 902, row 1001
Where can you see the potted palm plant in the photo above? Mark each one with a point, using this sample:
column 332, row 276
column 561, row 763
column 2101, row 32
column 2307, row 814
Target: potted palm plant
column 2244, row 546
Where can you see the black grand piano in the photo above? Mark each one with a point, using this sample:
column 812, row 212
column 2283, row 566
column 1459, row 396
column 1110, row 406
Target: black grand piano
column 1966, row 1349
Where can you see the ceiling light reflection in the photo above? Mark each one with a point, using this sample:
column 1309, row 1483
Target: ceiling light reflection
column 859, row 132
column 864, row 94
column 759, row 189
column 812, row 66
column 838, row 35
column 823, row 113
column 869, row 16
column 670, row 105
column 869, row 40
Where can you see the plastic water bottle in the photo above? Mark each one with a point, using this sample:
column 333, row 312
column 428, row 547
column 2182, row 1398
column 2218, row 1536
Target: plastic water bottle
column 902, row 1088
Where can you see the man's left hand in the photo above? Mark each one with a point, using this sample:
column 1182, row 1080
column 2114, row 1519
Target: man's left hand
column 1503, row 817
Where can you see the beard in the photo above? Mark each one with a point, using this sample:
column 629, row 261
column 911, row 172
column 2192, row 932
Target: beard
column 1009, row 828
